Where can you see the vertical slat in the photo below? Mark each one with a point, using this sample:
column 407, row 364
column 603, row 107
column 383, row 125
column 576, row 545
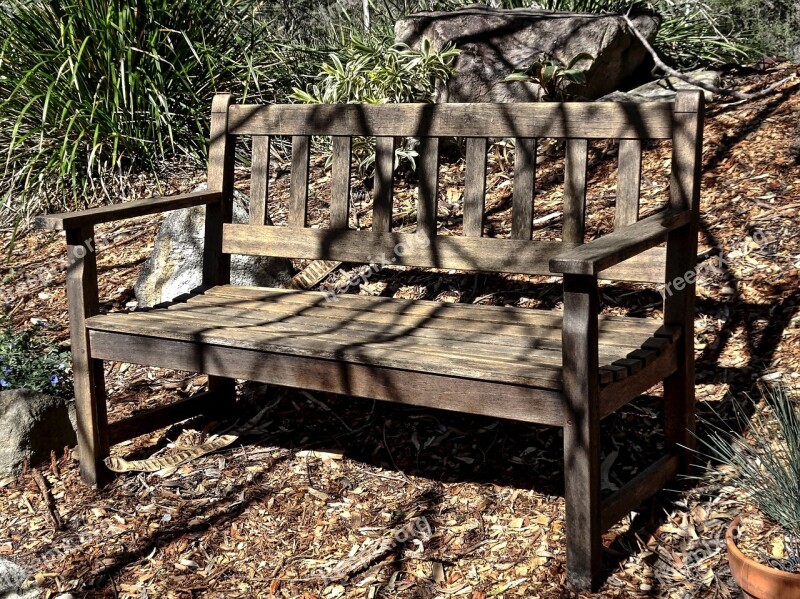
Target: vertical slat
column 89, row 382
column 679, row 293
column 581, row 431
column 384, row 170
column 298, row 182
column 216, row 264
column 259, row 181
column 629, row 180
column 475, row 186
column 428, row 186
column 575, row 165
column 340, row 182
column 524, row 181
column 221, row 155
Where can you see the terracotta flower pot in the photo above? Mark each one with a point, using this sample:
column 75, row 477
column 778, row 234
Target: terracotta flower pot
column 756, row 579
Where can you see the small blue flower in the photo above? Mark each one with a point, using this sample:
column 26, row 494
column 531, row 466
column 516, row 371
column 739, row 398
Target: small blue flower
column 3, row 383
column 54, row 380
column 6, row 370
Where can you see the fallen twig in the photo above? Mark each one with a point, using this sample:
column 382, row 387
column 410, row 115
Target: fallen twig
column 701, row 84
column 49, row 500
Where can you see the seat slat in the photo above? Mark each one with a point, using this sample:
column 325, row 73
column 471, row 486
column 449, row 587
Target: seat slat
column 425, row 310
column 382, row 190
column 475, row 186
column 575, row 166
column 259, row 183
column 524, row 181
column 340, row 182
column 347, row 350
column 629, row 179
column 428, row 186
column 298, row 182
column 466, row 348
column 590, row 120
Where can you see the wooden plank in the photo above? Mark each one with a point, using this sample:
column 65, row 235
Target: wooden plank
column 446, row 252
column 312, row 274
column 617, row 371
column 107, row 214
column 617, row 394
column 259, row 181
column 632, row 366
column 581, row 432
column 463, row 341
column 330, row 348
column 616, row 247
column 414, row 388
column 629, row 181
column 524, row 183
column 384, row 183
column 518, row 321
column 221, row 162
column 647, row 267
column 298, row 182
column 679, row 304
column 590, row 120
column 340, row 182
column 622, row 502
column 152, row 420
column 427, row 200
column 87, row 370
column 221, row 156
column 575, row 169
column 475, row 186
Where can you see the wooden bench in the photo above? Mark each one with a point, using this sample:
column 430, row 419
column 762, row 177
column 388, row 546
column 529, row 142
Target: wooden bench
column 567, row 369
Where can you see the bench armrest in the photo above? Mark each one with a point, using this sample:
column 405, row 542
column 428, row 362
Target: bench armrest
column 93, row 216
column 608, row 250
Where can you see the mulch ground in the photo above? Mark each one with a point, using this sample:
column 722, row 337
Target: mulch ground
column 338, row 497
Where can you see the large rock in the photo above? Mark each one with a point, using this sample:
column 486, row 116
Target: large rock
column 664, row 90
column 14, row 583
column 494, row 42
column 175, row 265
column 33, row 424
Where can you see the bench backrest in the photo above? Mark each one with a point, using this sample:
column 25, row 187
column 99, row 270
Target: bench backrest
column 577, row 123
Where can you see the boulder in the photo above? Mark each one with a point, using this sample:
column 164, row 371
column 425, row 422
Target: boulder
column 14, row 583
column 664, row 90
column 33, row 425
column 175, row 266
column 494, row 42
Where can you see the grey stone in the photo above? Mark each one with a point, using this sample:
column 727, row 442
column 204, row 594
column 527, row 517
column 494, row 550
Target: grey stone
column 664, row 90
column 175, row 265
column 33, row 425
column 494, row 42
column 15, row 583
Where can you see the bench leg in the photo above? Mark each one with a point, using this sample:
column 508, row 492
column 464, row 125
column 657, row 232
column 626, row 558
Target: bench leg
column 679, row 405
column 582, row 433
column 89, row 380
column 92, row 419
column 224, row 390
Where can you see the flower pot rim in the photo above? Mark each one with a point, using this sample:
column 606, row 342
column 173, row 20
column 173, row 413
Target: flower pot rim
column 735, row 553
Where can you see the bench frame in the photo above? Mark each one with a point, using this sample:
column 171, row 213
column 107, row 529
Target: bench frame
column 579, row 408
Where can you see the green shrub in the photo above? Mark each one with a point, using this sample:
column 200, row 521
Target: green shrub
column 375, row 71
column 90, row 89
column 28, row 361
column 553, row 77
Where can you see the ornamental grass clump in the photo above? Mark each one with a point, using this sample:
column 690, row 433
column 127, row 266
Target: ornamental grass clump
column 93, row 89
column 30, row 361
column 765, row 458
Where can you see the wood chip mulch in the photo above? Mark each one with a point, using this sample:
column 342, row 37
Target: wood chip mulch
column 339, row 497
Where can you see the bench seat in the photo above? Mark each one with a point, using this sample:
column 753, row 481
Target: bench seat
column 517, row 346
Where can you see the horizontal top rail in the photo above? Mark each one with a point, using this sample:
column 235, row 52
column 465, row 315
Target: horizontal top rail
column 587, row 120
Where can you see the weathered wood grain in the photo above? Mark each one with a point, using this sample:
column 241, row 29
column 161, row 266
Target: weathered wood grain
column 384, row 185
column 475, row 186
column 576, row 161
column 340, row 182
column 524, row 184
column 298, row 182
column 427, row 199
column 259, row 181
column 629, row 181
column 590, row 120
column 375, row 382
